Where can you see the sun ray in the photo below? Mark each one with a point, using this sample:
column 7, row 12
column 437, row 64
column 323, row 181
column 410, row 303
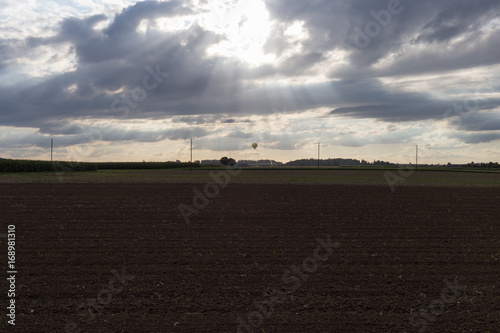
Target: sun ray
column 245, row 26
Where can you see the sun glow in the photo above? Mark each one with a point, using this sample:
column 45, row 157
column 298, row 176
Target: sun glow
column 245, row 26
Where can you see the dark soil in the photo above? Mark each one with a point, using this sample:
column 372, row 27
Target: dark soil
column 420, row 259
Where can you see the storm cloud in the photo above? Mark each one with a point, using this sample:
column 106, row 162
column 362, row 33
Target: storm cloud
column 375, row 60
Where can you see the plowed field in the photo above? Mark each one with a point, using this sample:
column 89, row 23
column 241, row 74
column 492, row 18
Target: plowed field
column 120, row 257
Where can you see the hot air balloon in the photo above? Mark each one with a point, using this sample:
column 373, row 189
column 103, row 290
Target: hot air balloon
column 254, row 145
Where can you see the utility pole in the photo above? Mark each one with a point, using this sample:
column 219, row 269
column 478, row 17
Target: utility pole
column 318, row 154
column 191, row 165
column 51, row 148
column 416, row 157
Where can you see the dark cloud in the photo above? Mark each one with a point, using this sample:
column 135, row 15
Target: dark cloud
column 433, row 24
column 392, row 112
column 239, row 135
column 60, row 128
column 181, row 56
column 414, row 107
column 124, row 74
column 196, row 120
column 234, row 121
column 472, row 52
column 478, row 122
column 127, row 21
column 119, row 40
column 83, row 135
column 459, row 17
column 475, row 138
column 299, row 64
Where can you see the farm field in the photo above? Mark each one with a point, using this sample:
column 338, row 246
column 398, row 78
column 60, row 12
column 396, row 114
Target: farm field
column 279, row 251
column 374, row 176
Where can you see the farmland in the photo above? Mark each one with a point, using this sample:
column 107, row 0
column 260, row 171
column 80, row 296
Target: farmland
column 485, row 178
column 110, row 251
column 23, row 166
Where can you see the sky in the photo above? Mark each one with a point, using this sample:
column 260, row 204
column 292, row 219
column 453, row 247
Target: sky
column 121, row 80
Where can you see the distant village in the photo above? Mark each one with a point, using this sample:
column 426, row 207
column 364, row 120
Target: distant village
column 343, row 162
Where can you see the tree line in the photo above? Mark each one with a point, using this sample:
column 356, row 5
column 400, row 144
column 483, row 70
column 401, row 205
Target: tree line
column 493, row 165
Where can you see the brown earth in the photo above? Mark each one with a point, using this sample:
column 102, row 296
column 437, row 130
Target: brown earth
column 419, row 259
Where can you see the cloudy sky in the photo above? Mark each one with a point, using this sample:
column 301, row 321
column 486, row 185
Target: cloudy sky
column 120, row 80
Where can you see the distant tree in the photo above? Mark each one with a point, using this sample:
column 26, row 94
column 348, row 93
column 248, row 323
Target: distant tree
column 231, row 162
column 224, row 160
